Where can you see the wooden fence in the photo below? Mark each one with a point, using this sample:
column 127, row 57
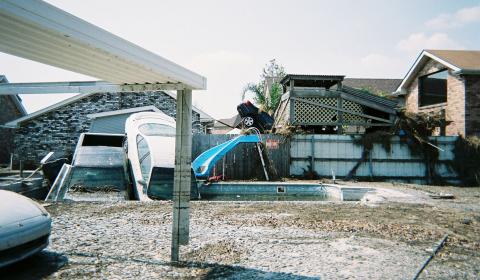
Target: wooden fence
column 243, row 162
column 327, row 155
column 330, row 155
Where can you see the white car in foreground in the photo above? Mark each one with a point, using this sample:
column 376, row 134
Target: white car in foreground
column 24, row 227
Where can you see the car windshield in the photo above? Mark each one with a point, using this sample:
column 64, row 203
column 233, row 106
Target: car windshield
column 156, row 129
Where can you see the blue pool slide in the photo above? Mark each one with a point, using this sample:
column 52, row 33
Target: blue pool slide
column 204, row 163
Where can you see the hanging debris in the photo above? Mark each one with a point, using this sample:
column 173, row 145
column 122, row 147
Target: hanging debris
column 414, row 130
column 467, row 160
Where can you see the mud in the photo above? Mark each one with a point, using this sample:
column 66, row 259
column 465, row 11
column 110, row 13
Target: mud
column 390, row 238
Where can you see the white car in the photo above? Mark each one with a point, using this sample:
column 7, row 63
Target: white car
column 25, row 227
column 151, row 155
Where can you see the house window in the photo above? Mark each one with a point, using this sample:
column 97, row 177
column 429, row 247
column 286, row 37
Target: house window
column 432, row 88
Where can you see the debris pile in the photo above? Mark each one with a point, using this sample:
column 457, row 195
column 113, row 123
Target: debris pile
column 414, row 130
column 466, row 161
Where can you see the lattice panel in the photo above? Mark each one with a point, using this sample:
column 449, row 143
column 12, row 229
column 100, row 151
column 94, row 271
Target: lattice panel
column 309, row 114
column 354, row 107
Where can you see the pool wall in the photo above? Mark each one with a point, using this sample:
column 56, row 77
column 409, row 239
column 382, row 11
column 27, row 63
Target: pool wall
column 278, row 190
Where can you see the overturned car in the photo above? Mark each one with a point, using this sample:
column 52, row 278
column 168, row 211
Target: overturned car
column 252, row 116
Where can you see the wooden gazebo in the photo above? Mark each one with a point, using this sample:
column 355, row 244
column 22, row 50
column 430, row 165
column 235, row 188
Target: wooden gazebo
column 322, row 104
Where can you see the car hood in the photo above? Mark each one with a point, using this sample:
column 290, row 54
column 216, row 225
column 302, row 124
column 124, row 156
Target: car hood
column 15, row 208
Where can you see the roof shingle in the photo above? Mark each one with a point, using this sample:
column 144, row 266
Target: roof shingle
column 376, row 86
column 465, row 60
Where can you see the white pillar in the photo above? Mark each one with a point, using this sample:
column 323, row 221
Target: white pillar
column 182, row 173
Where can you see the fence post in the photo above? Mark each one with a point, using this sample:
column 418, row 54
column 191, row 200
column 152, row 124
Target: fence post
column 11, row 161
column 21, row 168
column 312, row 158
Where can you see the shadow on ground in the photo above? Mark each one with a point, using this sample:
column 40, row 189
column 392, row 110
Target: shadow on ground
column 46, row 263
column 37, row 266
column 219, row 271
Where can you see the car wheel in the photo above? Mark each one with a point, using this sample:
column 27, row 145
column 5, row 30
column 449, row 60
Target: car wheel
column 248, row 121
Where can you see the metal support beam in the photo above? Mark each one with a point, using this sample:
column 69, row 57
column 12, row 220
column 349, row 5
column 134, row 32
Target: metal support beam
column 182, row 173
column 81, row 87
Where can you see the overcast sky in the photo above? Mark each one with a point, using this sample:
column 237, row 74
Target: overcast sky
column 230, row 41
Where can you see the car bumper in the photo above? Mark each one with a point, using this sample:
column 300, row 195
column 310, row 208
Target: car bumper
column 22, row 239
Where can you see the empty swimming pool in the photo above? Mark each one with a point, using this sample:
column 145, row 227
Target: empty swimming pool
column 281, row 191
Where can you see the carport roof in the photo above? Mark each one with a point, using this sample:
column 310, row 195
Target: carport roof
column 38, row 31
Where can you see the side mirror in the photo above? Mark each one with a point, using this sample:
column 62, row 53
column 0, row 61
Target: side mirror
column 142, row 182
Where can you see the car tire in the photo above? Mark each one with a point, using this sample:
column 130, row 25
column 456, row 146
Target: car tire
column 248, row 121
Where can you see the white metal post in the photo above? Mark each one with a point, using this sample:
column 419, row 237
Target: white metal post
column 182, row 173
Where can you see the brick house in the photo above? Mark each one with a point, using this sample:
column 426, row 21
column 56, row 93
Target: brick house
column 57, row 127
column 11, row 108
column 445, row 82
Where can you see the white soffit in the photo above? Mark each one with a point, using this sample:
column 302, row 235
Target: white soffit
column 150, row 108
column 41, row 32
column 420, row 62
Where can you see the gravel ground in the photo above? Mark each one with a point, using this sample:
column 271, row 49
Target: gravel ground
column 377, row 239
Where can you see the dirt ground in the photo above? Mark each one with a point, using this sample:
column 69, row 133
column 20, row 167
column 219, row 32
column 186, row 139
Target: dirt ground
column 384, row 237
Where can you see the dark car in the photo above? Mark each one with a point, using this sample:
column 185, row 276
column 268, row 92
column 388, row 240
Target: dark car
column 252, row 116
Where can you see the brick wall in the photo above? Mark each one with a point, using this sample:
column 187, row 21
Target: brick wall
column 59, row 130
column 455, row 107
column 472, row 105
column 8, row 112
column 455, row 110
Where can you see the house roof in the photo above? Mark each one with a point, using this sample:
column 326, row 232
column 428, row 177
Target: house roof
column 15, row 98
column 466, row 62
column 377, row 86
column 368, row 99
column 232, row 122
column 78, row 97
column 204, row 117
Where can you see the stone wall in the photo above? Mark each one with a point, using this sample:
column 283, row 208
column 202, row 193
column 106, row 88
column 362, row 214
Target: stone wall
column 9, row 112
column 455, row 106
column 472, row 105
column 58, row 130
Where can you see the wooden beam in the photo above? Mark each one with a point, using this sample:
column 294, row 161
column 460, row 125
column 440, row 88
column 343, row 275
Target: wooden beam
column 182, row 173
column 367, row 103
column 340, row 109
